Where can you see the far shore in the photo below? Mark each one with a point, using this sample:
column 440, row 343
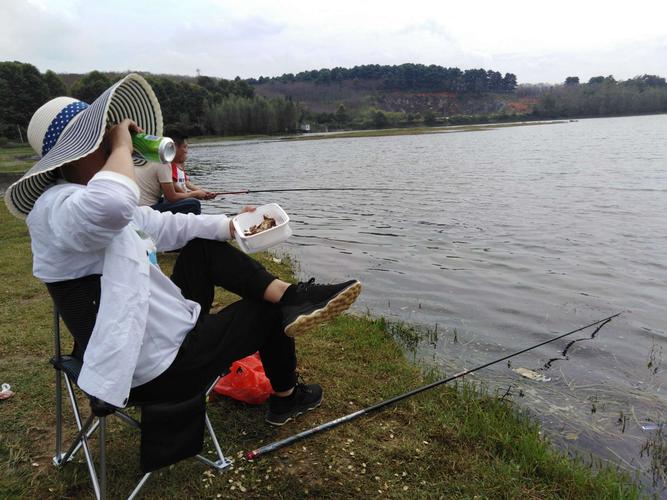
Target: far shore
column 344, row 134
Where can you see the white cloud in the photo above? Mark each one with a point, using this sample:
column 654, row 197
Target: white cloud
column 536, row 41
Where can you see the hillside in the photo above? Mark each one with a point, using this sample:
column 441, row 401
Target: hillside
column 359, row 98
column 355, row 95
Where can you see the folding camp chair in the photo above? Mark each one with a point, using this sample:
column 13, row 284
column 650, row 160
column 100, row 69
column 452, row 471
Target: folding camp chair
column 70, row 367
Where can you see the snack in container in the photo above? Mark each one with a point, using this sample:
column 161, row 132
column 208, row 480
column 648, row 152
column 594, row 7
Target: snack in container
column 267, row 237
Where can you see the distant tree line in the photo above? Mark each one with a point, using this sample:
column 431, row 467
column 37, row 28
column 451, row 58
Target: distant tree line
column 196, row 106
column 603, row 96
column 205, row 105
column 409, row 77
column 22, row 90
column 238, row 115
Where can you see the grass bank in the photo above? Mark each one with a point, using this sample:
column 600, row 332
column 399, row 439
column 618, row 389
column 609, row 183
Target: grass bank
column 15, row 159
column 447, row 443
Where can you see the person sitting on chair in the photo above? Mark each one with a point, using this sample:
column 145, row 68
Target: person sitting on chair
column 181, row 180
column 145, row 336
column 161, row 192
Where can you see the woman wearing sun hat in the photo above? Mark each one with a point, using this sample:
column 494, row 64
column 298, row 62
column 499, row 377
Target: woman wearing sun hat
column 146, row 336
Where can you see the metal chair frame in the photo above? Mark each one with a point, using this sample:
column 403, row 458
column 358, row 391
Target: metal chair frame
column 99, row 423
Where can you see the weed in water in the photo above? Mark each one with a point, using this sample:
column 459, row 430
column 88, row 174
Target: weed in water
column 655, row 449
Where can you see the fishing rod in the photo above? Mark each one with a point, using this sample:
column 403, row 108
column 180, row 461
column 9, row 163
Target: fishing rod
column 263, row 450
column 249, row 191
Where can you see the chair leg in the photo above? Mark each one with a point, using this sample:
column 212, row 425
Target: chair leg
column 86, row 430
column 84, row 438
column 61, row 458
column 139, row 485
column 78, row 444
column 103, row 457
column 92, row 424
column 57, row 458
column 222, row 462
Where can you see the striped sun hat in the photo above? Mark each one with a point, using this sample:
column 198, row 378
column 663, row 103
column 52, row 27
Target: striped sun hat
column 64, row 130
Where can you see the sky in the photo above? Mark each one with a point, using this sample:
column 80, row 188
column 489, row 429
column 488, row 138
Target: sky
column 538, row 41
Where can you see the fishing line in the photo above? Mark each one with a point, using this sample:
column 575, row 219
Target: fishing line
column 286, row 190
column 263, row 450
column 563, row 355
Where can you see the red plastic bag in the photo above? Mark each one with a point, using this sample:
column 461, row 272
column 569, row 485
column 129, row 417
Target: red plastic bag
column 246, row 381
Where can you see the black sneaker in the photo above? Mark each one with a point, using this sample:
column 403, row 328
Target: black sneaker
column 307, row 304
column 305, row 397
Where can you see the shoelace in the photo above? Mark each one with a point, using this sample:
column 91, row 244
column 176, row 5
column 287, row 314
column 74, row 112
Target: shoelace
column 300, row 383
column 304, row 286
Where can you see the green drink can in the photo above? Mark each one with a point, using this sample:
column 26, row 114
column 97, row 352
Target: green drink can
column 153, row 147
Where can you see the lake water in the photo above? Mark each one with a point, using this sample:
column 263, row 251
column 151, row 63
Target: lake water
column 502, row 238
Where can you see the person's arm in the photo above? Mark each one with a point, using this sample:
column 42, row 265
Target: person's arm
column 170, row 231
column 120, row 142
column 171, row 195
column 165, row 176
column 207, row 195
column 191, row 186
column 87, row 219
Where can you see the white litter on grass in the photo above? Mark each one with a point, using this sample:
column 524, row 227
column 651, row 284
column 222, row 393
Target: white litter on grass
column 530, row 374
column 6, row 391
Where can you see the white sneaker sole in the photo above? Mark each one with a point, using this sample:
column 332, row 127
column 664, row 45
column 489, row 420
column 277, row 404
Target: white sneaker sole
column 333, row 308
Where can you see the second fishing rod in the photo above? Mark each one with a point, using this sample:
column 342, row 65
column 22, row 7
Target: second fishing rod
column 271, row 447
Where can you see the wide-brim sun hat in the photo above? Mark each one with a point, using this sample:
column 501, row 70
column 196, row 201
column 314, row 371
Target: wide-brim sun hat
column 65, row 129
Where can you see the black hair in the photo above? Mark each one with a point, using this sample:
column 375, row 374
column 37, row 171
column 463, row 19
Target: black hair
column 178, row 137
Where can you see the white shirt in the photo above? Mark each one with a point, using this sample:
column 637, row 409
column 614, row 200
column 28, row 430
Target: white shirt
column 180, row 179
column 143, row 317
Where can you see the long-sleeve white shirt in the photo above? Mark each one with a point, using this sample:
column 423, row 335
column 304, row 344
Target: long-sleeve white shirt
column 143, row 318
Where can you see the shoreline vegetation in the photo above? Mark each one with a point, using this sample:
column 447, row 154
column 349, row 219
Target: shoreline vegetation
column 452, row 442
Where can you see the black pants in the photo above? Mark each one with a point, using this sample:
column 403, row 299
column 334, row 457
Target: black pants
column 240, row 329
column 184, row 206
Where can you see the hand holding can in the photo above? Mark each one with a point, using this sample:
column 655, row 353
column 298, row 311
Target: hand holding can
column 153, row 147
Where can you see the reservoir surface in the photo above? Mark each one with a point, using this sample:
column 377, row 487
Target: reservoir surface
column 491, row 241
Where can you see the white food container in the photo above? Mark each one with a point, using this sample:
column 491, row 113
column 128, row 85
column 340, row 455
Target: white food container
column 265, row 239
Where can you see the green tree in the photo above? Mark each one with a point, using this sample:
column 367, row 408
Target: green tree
column 22, row 91
column 415, row 77
column 341, row 115
column 91, row 86
column 495, row 81
column 55, row 84
column 572, row 80
column 429, row 118
column 380, row 119
column 509, row 82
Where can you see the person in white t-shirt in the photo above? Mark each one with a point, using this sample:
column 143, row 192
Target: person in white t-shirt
column 159, row 191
